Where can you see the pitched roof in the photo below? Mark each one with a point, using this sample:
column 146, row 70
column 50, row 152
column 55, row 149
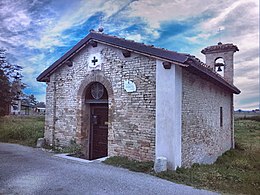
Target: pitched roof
column 202, row 69
column 220, row 48
column 192, row 63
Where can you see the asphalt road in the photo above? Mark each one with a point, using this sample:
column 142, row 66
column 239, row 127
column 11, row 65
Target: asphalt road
column 25, row 170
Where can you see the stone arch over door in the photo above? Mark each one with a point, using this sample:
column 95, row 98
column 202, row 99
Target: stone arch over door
column 83, row 114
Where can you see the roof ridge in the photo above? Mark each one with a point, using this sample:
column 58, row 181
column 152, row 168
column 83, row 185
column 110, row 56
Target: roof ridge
column 220, row 47
column 133, row 41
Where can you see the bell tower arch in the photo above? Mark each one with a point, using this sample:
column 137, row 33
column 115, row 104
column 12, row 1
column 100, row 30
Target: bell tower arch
column 220, row 58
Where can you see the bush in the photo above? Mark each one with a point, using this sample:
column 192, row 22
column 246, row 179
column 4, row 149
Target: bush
column 253, row 118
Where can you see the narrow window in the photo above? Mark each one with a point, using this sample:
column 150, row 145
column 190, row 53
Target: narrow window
column 221, row 117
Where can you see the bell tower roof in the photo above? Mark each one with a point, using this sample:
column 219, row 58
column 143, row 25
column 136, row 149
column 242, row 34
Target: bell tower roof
column 220, row 48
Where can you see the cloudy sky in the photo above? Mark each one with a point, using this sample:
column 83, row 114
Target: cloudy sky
column 37, row 32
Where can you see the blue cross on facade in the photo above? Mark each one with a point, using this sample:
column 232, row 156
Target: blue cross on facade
column 94, row 60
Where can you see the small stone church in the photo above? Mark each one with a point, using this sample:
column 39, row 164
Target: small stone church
column 117, row 97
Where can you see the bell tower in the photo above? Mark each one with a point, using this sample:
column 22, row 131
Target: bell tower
column 220, row 58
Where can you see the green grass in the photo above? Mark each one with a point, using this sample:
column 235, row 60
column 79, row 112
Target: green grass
column 22, row 130
column 247, row 134
column 236, row 172
column 132, row 165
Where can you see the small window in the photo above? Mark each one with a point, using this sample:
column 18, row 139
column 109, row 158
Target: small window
column 97, row 90
column 221, row 117
column 97, row 93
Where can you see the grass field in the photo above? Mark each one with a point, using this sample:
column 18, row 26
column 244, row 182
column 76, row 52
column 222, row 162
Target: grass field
column 22, row 130
column 235, row 172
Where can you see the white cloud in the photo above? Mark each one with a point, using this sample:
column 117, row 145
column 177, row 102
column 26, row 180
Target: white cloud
column 239, row 24
column 53, row 35
column 17, row 21
column 214, row 23
column 247, row 106
column 154, row 12
column 112, row 7
column 28, row 71
column 48, row 41
column 45, row 29
column 199, row 37
column 41, row 98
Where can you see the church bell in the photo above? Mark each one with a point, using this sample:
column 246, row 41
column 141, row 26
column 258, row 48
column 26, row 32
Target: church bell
column 219, row 69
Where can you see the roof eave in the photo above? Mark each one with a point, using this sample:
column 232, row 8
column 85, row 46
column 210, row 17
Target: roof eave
column 204, row 71
column 46, row 73
column 137, row 48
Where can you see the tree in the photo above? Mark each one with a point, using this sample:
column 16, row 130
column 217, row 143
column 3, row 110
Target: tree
column 32, row 99
column 10, row 83
column 4, row 94
column 41, row 105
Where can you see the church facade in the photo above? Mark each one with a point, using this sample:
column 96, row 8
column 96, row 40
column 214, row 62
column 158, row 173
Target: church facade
column 117, row 97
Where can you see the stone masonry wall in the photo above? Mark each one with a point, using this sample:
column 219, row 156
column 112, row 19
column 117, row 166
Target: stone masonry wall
column 132, row 130
column 49, row 113
column 203, row 140
column 132, row 115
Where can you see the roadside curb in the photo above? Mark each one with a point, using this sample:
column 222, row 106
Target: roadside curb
column 66, row 156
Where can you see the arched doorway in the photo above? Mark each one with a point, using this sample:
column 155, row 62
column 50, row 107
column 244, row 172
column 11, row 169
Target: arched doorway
column 96, row 100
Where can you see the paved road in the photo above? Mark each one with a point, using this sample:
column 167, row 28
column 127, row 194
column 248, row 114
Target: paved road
column 25, row 170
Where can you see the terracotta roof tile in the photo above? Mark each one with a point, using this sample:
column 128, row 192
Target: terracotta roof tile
column 220, row 47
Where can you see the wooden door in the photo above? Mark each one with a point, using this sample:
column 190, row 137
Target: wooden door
column 99, row 131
